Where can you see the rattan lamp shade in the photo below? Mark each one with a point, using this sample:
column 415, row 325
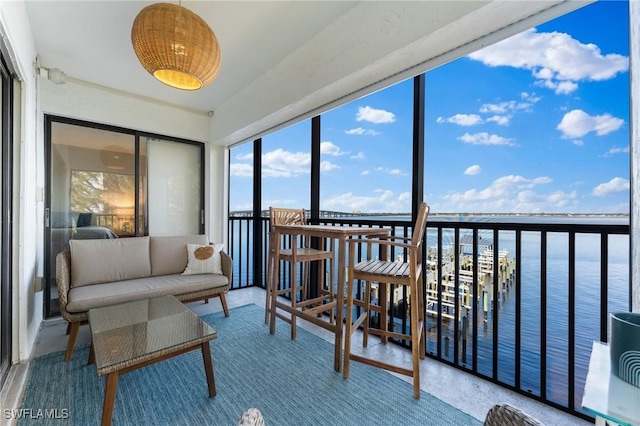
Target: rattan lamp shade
column 176, row 46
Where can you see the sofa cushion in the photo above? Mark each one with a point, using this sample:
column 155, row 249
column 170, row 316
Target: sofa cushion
column 203, row 259
column 81, row 299
column 102, row 261
column 169, row 254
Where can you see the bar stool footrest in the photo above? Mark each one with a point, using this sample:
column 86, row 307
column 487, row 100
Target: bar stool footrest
column 380, row 364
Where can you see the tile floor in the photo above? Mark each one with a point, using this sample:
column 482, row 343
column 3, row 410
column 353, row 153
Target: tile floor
column 464, row 391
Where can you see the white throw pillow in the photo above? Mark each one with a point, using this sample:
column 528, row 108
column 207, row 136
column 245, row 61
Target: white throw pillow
column 203, row 259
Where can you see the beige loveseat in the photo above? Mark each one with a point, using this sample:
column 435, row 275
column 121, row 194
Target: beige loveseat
column 96, row 273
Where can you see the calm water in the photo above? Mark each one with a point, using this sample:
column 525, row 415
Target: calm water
column 587, row 305
column 587, row 301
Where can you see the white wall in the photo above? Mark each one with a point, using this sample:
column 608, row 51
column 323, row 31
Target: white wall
column 99, row 104
column 27, row 253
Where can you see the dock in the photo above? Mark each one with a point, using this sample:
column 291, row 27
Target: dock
column 505, row 272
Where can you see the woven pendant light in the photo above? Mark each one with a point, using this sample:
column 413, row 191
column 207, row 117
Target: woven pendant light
column 176, row 46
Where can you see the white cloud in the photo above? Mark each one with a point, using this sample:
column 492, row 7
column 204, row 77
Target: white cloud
column 290, row 202
column 561, row 88
column 383, row 200
column 359, row 156
column 504, row 111
column 244, row 206
column 501, row 120
column 556, row 60
column 248, row 156
column 377, row 116
column 578, row 142
column 355, row 131
column 396, row 172
column 503, row 187
column 473, row 170
column 484, row 138
column 506, row 183
column 577, row 123
column 614, row 151
column 361, row 131
column 501, row 112
column 329, row 148
column 525, row 104
column 241, row 170
column 500, row 108
column 560, row 198
column 462, row 119
column 512, row 193
column 326, row 166
column 365, row 173
column 530, row 98
column 275, row 173
column 616, row 184
column 556, row 201
column 281, row 163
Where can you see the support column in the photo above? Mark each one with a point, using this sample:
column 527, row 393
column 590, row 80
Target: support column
column 417, row 184
column 257, row 214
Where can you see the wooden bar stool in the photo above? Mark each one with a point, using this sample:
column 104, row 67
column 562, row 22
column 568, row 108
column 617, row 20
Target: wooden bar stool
column 386, row 272
column 299, row 252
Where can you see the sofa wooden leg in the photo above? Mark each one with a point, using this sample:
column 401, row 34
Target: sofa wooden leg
column 73, row 334
column 225, row 308
column 206, row 300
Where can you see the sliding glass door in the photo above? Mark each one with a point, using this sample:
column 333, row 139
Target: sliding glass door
column 6, row 191
column 106, row 183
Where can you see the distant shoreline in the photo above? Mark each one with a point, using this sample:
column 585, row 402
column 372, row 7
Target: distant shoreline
column 328, row 213
column 492, row 214
column 534, row 214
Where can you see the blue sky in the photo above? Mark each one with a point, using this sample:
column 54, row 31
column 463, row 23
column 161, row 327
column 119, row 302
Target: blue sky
column 536, row 123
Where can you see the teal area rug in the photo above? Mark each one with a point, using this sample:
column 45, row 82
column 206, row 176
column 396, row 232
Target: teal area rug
column 291, row 382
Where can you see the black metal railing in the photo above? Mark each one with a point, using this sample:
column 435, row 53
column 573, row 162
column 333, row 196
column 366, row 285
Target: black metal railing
column 517, row 303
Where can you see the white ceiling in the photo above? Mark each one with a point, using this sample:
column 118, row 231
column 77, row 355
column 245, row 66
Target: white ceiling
column 280, row 59
column 91, row 41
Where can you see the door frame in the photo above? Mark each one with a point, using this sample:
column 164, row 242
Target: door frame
column 6, row 229
column 49, row 119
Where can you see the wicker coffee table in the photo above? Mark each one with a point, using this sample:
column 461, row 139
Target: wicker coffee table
column 136, row 334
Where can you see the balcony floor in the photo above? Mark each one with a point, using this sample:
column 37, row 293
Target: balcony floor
column 470, row 394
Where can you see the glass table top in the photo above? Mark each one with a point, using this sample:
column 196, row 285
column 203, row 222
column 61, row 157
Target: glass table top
column 606, row 395
column 135, row 332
